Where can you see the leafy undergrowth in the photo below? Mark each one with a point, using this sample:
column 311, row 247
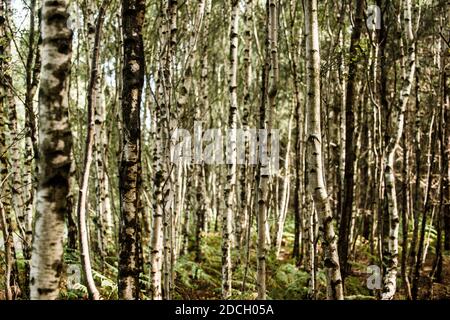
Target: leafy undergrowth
column 285, row 280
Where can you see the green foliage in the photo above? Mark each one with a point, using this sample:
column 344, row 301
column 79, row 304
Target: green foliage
column 107, row 287
column 289, row 282
column 356, row 286
column 79, row 292
column 190, row 272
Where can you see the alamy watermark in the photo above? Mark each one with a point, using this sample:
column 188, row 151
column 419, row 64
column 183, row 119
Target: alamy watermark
column 230, row 146
column 373, row 21
column 374, row 280
column 73, row 276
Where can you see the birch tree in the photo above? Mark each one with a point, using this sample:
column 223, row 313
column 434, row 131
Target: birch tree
column 231, row 185
column 390, row 278
column 130, row 164
column 93, row 92
column 263, row 168
column 314, row 160
column 55, row 143
column 5, row 170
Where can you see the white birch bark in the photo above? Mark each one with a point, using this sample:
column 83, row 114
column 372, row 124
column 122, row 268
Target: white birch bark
column 316, row 179
column 390, row 277
column 230, row 187
column 55, row 142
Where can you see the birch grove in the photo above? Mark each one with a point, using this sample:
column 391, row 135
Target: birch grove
column 234, row 150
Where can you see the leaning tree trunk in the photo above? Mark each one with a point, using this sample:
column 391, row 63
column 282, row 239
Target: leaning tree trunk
column 391, row 256
column 93, row 92
column 55, row 143
column 314, row 162
column 130, row 165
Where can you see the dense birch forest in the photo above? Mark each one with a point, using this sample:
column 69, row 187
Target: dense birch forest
column 238, row 149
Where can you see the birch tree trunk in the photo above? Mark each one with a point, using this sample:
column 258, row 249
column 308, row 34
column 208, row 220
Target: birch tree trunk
column 390, row 278
column 101, row 147
column 72, row 229
column 285, row 193
column 263, row 168
column 171, row 114
column 93, row 92
column 55, row 143
column 7, row 240
column 130, row 165
column 6, row 209
column 7, row 138
column 316, row 180
column 245, row 171
column 309, row 242
column 230, row 188
column 160, row 135
column 32, row 75
column 204, row 210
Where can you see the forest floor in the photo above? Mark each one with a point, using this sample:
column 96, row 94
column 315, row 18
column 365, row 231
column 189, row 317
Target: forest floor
column 439, row 291
column 285, row 280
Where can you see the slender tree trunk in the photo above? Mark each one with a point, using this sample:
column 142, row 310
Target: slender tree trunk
column 350, row 103
column 130, row 164
column 159, row 168
column 310, row 252
column 55, row 143
column 203, row 202
column 390, row 277
column 285, row 193
column 171, row 114
column 92, row 94
column 417, row 188
column 316, row 179
column 7, row 240
column 156, row 241
column 32, row 75
column 72, row 229
column 405, row 212
column 101, row 147
column 263, row 168
column 7, row 142
column 426, row 209
column 246, row 171
column 230, row 188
